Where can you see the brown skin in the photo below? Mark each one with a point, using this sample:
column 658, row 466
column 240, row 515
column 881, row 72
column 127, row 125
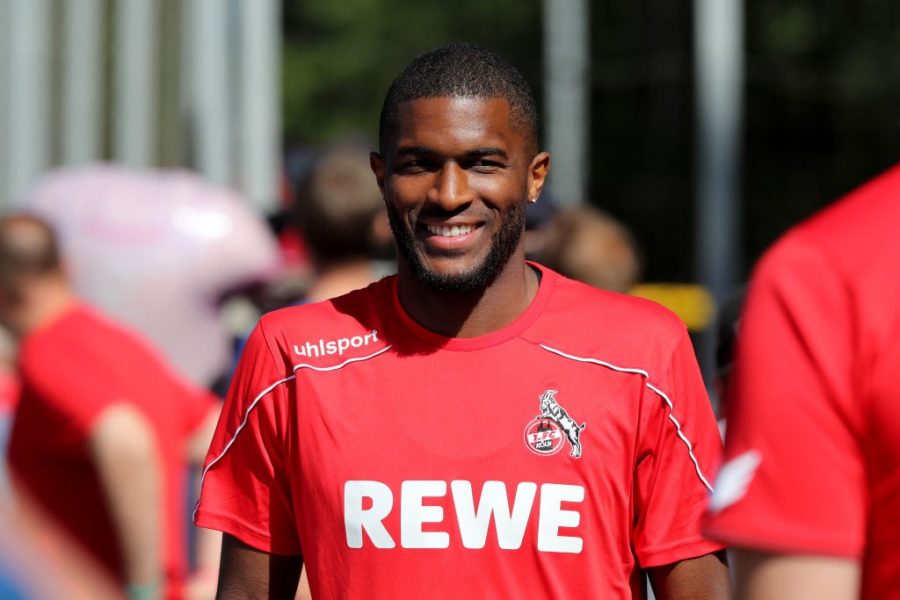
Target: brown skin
column 703, row 578
column 249, row 574
column 438, row 163
column 457, row 161
column 769, row 576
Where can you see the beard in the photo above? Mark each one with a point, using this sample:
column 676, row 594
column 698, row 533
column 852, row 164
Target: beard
column 503, row 243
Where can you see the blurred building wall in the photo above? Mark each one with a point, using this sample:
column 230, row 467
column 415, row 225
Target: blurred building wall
column 191, row 83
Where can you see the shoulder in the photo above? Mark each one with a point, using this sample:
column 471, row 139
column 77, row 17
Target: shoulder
column 347, row 325
column 850, row 234
column 71, row 339
column 631, row 331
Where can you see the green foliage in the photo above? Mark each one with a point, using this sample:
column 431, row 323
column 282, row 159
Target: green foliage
column 340, row 56
column 820, row 103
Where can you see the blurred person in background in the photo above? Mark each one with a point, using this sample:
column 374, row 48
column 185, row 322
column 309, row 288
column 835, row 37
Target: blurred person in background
column 38, row 561
column 728, row 322
column 538, row 216
column 810, row 494
column 340, row 214
column 161, row 251
column 588, row 245
column 466, row 428
column 104, row 427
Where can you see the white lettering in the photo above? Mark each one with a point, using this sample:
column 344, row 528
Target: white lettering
column 356, row 519
column 338, row 346
column 552, row 518
column 413, row 514
column 368, row 503
column 473, row 526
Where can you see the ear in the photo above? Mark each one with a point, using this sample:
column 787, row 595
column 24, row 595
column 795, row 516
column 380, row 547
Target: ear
column 376, row 162
column 537, row 174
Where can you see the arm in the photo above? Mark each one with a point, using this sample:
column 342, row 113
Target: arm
column 201, row 584
column 702, row 578
column 198, row 441
column 765, row 576
column 123, row 447
column 250, row 574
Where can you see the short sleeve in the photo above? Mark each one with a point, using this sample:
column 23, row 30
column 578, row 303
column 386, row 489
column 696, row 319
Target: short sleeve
column 678, row 448
column 245, row 490
column 794, row 478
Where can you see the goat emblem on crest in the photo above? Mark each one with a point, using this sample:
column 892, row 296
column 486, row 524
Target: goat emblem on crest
column 544, row 434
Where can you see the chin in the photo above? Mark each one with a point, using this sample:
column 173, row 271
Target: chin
column 465, row 279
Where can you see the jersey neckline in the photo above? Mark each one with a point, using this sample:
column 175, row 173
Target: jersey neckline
column 429, row 338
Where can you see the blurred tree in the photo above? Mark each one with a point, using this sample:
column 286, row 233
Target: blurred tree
column 642, row 127
column 823, row 106
column 821, row 99
column 340, row 57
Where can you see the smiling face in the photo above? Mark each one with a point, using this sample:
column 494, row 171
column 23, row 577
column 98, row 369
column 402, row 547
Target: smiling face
column 456, row 177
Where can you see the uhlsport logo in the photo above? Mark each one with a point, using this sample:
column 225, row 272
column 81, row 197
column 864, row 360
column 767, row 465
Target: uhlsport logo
column 545, row 433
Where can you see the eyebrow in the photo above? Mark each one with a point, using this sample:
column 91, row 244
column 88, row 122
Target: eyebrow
column 472, row 153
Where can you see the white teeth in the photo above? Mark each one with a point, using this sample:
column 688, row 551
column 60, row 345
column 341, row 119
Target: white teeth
column 454, row 231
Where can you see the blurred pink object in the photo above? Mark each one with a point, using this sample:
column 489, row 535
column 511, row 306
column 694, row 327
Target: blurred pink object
column 159, row 250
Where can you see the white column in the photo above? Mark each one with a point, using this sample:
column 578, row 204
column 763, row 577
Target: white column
column 719, row 56
column 5, row 90
column 566, row 97
column 82, row 81
column 260, row 101
column 134, row 137
column 208, row 47
column 29, row 83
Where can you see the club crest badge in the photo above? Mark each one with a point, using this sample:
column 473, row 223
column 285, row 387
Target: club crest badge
column 547, row 433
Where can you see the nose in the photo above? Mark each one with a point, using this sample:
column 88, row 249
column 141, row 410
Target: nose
column 451, row 187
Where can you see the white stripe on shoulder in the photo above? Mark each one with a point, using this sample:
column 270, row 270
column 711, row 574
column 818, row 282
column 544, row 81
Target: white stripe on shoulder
column 299, row 366
column 651, row 387
column 261, row 395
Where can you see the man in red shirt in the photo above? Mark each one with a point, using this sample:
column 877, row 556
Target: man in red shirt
column 810, row 492
column 103, row 428
column 477, row 426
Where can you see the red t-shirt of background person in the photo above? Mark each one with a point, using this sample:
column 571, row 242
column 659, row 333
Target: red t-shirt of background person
column 71, row 370
column 813, row 444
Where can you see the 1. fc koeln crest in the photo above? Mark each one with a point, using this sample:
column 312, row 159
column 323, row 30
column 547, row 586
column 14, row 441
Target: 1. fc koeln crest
column 547, row 433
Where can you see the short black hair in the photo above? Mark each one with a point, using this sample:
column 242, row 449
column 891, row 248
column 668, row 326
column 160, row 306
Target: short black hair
column 28, row 249
column 462, row 70
column 337, row 203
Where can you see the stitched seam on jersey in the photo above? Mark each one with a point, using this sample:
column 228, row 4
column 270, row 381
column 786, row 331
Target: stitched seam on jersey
column 234, row 436
column 299, row 366
column 651, row 387
column 262, row 394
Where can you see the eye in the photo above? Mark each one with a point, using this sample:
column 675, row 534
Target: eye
column 417, row 165
column 485, row 165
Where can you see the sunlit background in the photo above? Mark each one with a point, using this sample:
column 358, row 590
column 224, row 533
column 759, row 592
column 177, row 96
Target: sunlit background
column 706, row 127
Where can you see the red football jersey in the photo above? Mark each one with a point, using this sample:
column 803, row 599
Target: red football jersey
column 813, row 443
column 555, row 457
column 71, row 370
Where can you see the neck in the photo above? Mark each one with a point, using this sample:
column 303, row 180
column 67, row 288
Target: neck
column 336, row 279
column 43, row 303
column 470, row 314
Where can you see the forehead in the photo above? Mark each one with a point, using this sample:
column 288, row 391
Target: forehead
column 451, row 124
